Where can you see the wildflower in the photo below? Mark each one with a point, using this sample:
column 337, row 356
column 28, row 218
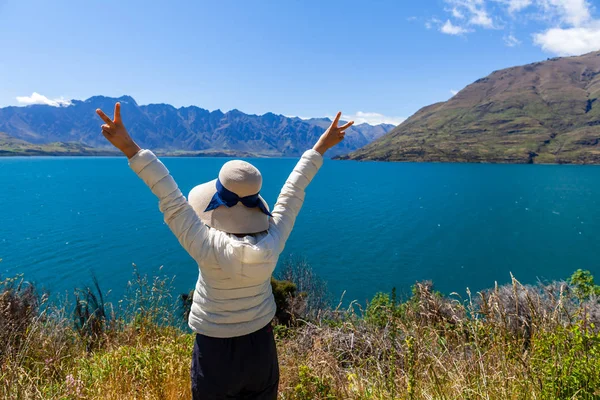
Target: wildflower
column 74, row 386
column 352, row 382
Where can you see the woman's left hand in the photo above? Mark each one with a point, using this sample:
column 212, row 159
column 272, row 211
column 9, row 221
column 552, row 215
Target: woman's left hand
column 114, row 131
column 333, row 135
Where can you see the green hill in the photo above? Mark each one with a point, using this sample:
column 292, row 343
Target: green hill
column 10, row 146
column 545, row 112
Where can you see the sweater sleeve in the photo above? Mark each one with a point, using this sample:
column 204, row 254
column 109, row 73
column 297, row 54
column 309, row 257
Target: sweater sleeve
column 292, row 194
column 179, row 215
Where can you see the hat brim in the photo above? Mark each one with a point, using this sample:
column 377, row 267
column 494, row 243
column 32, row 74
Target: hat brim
column 238, row 219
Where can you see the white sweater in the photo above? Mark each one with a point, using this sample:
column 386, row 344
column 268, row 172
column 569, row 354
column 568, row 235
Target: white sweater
column 233, row 294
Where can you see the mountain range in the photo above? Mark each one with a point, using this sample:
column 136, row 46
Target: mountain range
column 185, row 131
column 545, row 112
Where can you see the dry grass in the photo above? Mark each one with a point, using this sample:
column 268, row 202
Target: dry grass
column 510, row 342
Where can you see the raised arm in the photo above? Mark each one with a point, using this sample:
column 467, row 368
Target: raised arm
column 178, row 214
column 292, row 194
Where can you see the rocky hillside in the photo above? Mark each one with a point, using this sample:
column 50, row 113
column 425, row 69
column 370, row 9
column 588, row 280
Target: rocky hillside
column 545, row 112
column 189, row 129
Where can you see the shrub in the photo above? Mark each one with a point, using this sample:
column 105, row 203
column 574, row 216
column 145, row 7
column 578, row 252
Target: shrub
column 131, row 351
column 90, row 315
column 311, row 288
column 186, row 301
column 312, row 387
column 149, row 301
column 378, row 310
column 19, row 309
column 286, row 301
column 430, row 307
column 566, row 362
column 583, row 282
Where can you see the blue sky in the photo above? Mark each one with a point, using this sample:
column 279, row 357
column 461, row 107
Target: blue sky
column 374, row 60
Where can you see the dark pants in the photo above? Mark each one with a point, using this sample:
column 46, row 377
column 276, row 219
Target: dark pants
column 243, row 367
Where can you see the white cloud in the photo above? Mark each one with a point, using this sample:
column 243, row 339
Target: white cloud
column 572, row 12
column 457, row 14
column 433, row 21
column 481, row 18
column 296, row 116
column 511, row 41
column 450, row 29
column 567, row 42
column 37, row 98
column 447, row 27
column 516, row 5
column 361, row 117
column 453, row 92
column 373, row 118
column 577, row 31
column 474, row 10
column 571, row 27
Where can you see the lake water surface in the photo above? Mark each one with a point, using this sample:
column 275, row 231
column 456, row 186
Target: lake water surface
column 364, row 227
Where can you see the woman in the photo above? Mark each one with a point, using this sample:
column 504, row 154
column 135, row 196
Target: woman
column 227, row 228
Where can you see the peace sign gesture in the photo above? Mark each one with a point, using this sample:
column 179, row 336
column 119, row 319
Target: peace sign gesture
column 114, row 131
column 333, row 135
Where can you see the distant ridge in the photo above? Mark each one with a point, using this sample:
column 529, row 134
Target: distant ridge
column 10, row 146
column 545, row 112
column 186, row 129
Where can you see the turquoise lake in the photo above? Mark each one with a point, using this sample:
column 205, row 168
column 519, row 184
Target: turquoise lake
column 364, row 227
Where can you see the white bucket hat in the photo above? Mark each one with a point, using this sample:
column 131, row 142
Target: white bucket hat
column 232, row 202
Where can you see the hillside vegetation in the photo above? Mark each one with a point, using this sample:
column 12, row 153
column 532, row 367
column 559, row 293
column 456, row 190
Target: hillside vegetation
column 510, row 342
column 545, row 112
column 10, row 146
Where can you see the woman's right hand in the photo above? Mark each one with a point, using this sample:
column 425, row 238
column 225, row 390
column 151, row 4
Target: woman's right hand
column 114, row 131
column 332, row 136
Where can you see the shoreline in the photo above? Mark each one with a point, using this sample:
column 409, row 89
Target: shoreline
column 110, row 154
